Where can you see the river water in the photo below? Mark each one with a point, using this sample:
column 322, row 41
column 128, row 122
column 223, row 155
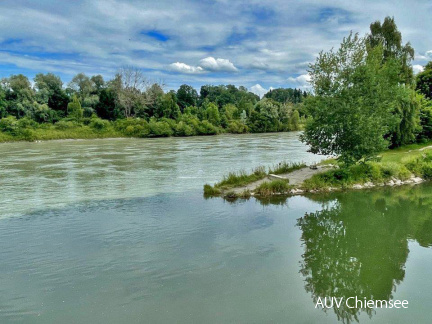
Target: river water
column 118, row 231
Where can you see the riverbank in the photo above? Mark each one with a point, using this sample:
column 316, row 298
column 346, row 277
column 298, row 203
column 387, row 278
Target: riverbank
column 100, row 129
column 411, row 164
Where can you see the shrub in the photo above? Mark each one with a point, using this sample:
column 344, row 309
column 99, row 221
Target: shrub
column 160, row 128
column 207, row 128
column 237, row 127
column 64, row 124
column 8, row 124
column 99, row 124
column 135, row 127
column 183, row 129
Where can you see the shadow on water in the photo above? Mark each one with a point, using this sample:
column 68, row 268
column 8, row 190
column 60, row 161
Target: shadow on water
column 357, row 243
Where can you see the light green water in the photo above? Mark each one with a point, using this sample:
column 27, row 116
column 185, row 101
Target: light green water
column 117, row 231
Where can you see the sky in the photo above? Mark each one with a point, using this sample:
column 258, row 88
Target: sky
column 257, row 44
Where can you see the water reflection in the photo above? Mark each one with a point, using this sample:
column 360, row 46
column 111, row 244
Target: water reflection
column 357, row 244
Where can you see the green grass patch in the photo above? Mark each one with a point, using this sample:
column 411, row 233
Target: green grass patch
column 239, row 179
column 210, row 191
column 272, row 187
column 285, row 167
column 375, row 172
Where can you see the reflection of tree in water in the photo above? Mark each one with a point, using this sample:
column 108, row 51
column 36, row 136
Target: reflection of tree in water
column 359, row 246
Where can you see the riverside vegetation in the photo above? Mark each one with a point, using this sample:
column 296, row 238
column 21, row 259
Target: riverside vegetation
column 369, row 111
column 132, row 106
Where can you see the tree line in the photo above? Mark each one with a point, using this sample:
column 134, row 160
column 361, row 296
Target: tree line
column 133, row 105
column 366, row 97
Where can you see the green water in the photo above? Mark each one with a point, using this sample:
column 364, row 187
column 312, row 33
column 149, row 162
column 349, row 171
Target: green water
column 117, row 231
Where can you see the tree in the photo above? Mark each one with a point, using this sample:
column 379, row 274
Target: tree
column 50, row 91
column 98, row 83
column 354, row 98
column 74, row 109
column 388, row 35
column 106, row 107
column 187, row 96
column 212, row 114
column 168, row 106
column 82, row 85
column 424, row 81
column 295, row 121
column 131, row 88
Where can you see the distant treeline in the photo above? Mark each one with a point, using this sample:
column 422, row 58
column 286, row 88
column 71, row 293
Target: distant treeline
column 133, row 106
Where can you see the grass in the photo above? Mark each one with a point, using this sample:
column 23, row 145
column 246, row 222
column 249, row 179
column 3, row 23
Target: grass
column 419, row 164
column 285, row 167
column 266, row 189
column 239, row 179
column 210, row 191
column 53, row 133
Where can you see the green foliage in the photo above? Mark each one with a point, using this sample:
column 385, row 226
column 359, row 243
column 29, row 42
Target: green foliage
column 387, row 36
column 210, row 191
column 285, row 167
column 286, row 95
column 186, row 96
column 375, row 172
column 212, row 114
column 238, row 179
column 407, row 111
column 74, row 109
column 424, row 81
column 160, row 128
column 269, row 188
column 421, row 166
column 237, row 127
column 352, row 109
column 99, row 124
column 294, row 122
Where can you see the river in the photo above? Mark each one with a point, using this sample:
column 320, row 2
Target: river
column 118, row 231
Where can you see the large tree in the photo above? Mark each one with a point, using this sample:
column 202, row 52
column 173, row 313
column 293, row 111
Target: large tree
column 388, row 36
column 352, row 107
column 187, row 96
column 50, row 91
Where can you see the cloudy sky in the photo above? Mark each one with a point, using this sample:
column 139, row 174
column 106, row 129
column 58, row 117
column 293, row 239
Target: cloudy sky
column 251, row 43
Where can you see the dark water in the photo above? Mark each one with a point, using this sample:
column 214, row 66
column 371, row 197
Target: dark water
column 175, row 257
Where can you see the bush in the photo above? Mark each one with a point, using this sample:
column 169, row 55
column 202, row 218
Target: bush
column 237, row 127
column 160, row 128
column 135, row 127
column 65, row 124
column 99, row 124
column 183, row 129
column 207, row 128
column 8, row 124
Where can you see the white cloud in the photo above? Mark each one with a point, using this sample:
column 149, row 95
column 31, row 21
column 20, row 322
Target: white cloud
column 217, row 65
column 184, row 68
column 102, row 35
column 208, row 64
column 259, row 90
column 302, row 80
column 417, row 68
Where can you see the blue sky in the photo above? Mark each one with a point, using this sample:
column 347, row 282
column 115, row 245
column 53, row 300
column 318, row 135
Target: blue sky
column 252, row 43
